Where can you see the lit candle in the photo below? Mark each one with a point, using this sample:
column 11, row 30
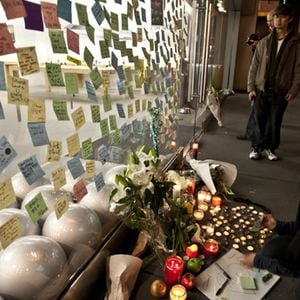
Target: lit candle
column 178, row 292
column 190, row 186
column 201, row 195
column 208, row 197
column 173, row 269
column 211, row 247
column 216, row 201
column 195, row 150
column 176, row 191
column 210, row 229
column 198, row 215
column 192, row 251
column 202, row 206
column 173, row 144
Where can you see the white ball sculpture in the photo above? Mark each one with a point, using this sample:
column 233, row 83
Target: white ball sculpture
column 78, row 226
column 109, row 176
column 28, row 264
column 50, row 197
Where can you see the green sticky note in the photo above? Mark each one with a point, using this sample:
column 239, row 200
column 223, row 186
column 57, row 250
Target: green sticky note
column 87, row 149
column 137, row 105
column 137, row 17
column 71, row 83
column 116, row 40
column 60, row 109
column 124, row 22
column 140, row 34
column 130, row 110
column 57, row 41
column 96, row 78
column 129, row 10
column 114, row 19
column 130, row 92
column 247, row 283
column 116, row 137
column 104, row 127
column 107, row 36
column 54, row 74
column 113, row 122
column 128, row 74
column 36, row 207
column 82, row 14
column 137, row 79
column 104, row 49
column 144, row 104
column 123, row 48
column 88, row 57
column 95, row 110
column 90, row 30
column 134, row 39
column 106, row 103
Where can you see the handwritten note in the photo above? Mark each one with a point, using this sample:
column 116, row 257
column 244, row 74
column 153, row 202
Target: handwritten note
column 104, row 127
column 75, row 167
column 7, row 153
column 33, row 20
column 87, row 149
column 114, row 19
column 90, row 169
column 10, row 231
column 6, row 42
column 102, row 154
column 64, row 10
column 78, row 118
column 54, row 74
column 73, row 41
column 31, row 169
column 130, row 110
column 116, row 137
column 106, row 103
column 95, row 110
column 60, row 109
column 38, row 134
column 13, row 9
column 49, row 12
column 71, row 83
column 90, row 31
column 36, row 208
column 88, row 57
column 58, row 178
column 99, row 181
column 53, row 151
column 104, row 49
column 17, row 92
column 82, row 14
column 120, row 110
column 28, row 61
column 116, row 154
column 79, row 190
column 96, row 78
column 90, row 89
column 36, row 111
column 73, row 144
column 57, row 41
column 98, row 12
column 113, row 122
column 7, row 194
column 61, row 206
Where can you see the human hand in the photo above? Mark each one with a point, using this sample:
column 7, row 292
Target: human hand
column 269, row 221
column 251, row 95
column 289, row 97
column 248, row 260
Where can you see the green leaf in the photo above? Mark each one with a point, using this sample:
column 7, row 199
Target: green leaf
column 112, row 194
column 121, row 179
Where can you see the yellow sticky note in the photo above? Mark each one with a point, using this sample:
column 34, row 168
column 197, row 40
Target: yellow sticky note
column 17, row 90
column 28, row 61
column 58, row 178
column 130, row 110
column 73, row 143
column 36, row 111
column 90, row 169
column 9, row 231
column 54, row 151
column 78, row 118
column 7, row 194
column 61, row 206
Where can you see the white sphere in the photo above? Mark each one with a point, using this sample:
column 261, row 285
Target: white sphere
column 50, row 197
column 110, row 175
column 28, row 264
column 78, row 226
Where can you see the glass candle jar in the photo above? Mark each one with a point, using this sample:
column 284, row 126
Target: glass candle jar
column 173, row 269
column 178, row 292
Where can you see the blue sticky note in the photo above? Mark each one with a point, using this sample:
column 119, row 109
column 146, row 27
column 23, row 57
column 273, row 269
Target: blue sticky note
column 143, row 11
column 98, row 13
column 2, row 77
column 120, row 110
column 64, row 10
column 31, row 169
column 116, row 154
column 102, row 154
column 121, row 87
column 90, row 90
column 75, row 166
column 7, row 153
column 38, row 134
column 136, row 126
column 121, row 73
column 2, row 117
column 99, row 181
column 125, row 132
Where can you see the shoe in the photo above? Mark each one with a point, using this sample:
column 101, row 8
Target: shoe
column 271, row 155
column 242, row 137
column 255, row 154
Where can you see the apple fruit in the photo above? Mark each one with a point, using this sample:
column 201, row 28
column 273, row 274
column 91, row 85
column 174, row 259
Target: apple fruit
column 188, row 280
column 158, row 288
column 192, row 251
column 194, row 265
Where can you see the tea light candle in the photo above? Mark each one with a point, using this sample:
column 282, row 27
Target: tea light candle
column 195, row 147
column 178, row 292
column 218, row 234
column 216, row 201
column 250, row 248
column 176, row 191
column 211, row 247
column 235, row 246
column 173, row 269
column 203, row 206
column 198, row 215
column 210, row 229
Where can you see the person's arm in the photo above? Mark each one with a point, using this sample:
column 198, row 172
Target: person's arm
column 295, row 88
column 253, row 70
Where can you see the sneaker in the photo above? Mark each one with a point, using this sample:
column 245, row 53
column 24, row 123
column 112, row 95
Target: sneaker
column 254, row 154
column 271, row 155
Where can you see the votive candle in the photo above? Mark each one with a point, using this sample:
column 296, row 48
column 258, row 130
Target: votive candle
column 173, row 269
column 176, row 191
column 195, row 147
column 190, row 186
column 198, row 215
column 210, row 229
column 211, row 247
column 216, row 201
column 178, row 292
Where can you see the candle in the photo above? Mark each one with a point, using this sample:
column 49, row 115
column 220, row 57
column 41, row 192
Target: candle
column 188, row 280
column 173, row 269
column 190, row 185
column 178, row 292
column 210, row 229
column 216, row 201
column 198, row 215
column 211, row 247
column 208, row 197
column 173, row 144
column 192, row 251
column 203, row 206
column 176, row 191
column 195, row 150
column 201, row 195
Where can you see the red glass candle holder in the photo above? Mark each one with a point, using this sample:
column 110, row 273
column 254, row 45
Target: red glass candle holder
column 216, row 201
column 192, row 251
column 190, row 185
column 173, row 269
column 211, row 247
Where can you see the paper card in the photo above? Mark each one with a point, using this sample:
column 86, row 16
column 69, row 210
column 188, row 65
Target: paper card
column 10, row 231
column 130, row 110
column 13, row 9
column 98, row 13
column 116, row 40
column 116, row 137
column 36, row 207
column 130, row 92
column 49, row 12
column 128, row 74
column 78, row 117
column 90, row 30
column 135, row 4
column 75, row 167
column 137, row 17
column 120, row 110
column 143, row 12
column 7, row 153
column 82, row 14
column 74, row 60
column 96, row 78
column 31, row 169
column 38, row 134
column 95, row 110
column 88, row 57
column 90, row 169
column 125, row 132
column 61, row 206
column 106, row 77
column 134, row 39
column 121, row 87
column 73, row 143
column 114, row 61
column 116, row 154
column 73, row 41
column 104, row 49
column 64, row 10
column 79, row 190
column 54, row 151
column 90, row 89
column 17, row 90
column 146, row 88
column 58, row 178
column 99, row 181
column 7, row 194
column 113, row 122
column 102, row 154
column 123, row 48
column 130, row 55
column 124, row 22
column 129, row 10
column 87, row 149
column 106, row 103
column 54, row 74
column 121, row 73
column 60, row 109
column 137, row 106
column 114, row 20
column 71, row 83
column 144, row 104
column 107, row 37
column 140, row 34
column 104, row 127
column 2, row 116
column 36, row 111
column 136, row 126
column 2, row 76
column 28, row 61
column 33, row 20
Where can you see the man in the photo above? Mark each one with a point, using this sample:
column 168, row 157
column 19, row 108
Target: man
column 273, row 81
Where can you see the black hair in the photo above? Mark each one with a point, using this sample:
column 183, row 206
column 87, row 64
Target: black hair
column 284, row 10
